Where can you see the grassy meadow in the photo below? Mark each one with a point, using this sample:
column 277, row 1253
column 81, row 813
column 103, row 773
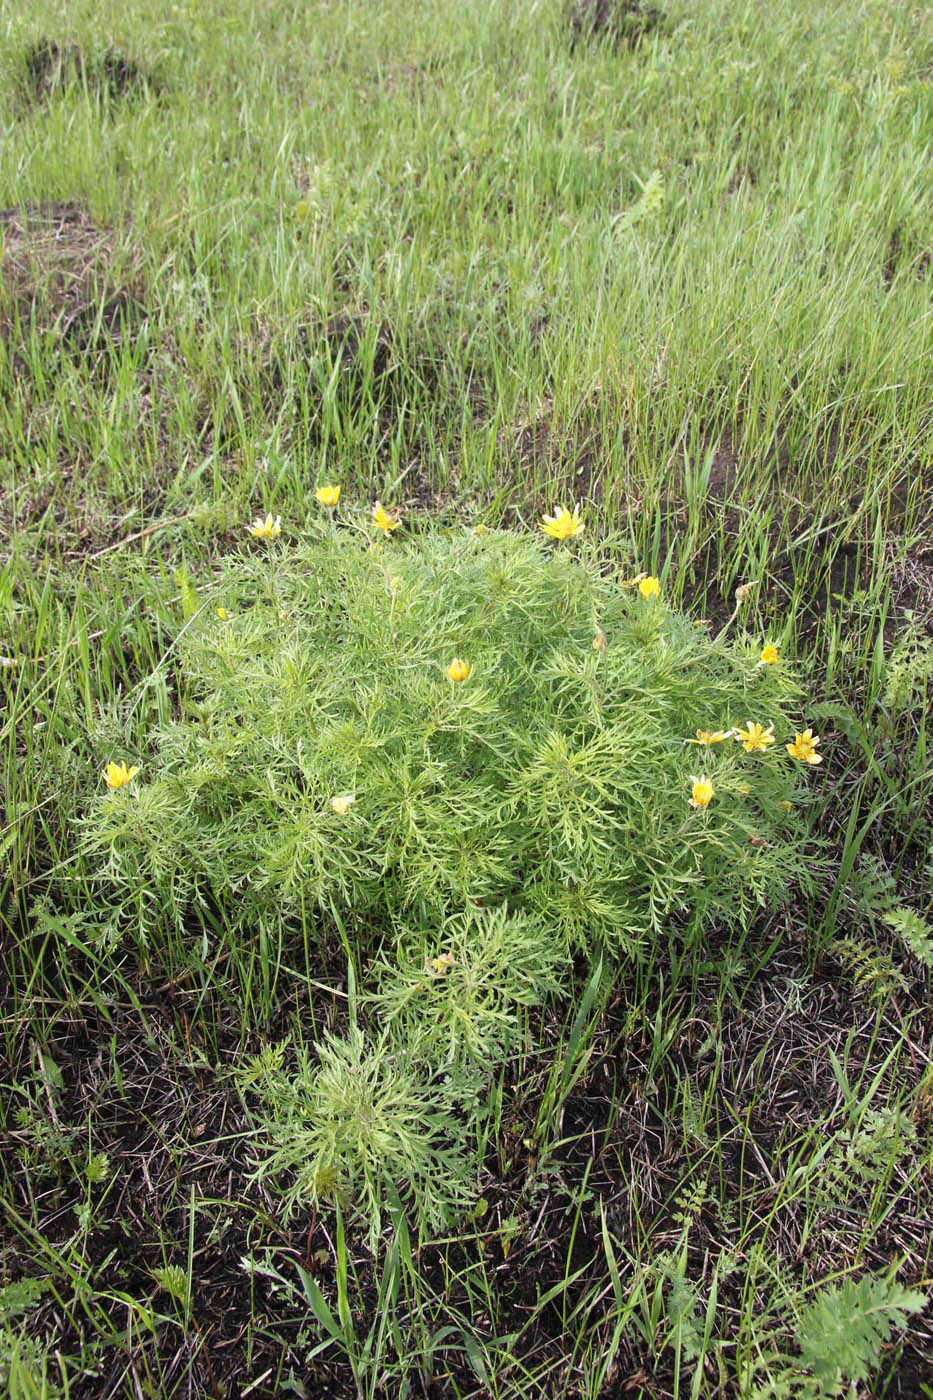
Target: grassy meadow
column 473, row 262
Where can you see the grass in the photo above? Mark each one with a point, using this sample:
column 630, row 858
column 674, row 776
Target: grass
column 446, row 258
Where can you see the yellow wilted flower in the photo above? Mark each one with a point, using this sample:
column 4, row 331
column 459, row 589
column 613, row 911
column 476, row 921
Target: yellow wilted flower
column 649, row 587
column 710, row 736
column 117, row 775
column 385, row 521
column 769, row 655
column 599, row 641
column 480, row 528
column 804, row 747
column 342, row 803
column 753, row 737
column 563, row 524
column 327, row 495
column 439, row 965
column 459, row 670
column 266, row 529
column 701, row 793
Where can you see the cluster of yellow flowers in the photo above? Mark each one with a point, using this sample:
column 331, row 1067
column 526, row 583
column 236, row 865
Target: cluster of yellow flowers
column 564, row 524
column 753, row 738
column 269, row 528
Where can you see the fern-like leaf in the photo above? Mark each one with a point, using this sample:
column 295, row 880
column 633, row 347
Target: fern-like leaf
column 872, row 971
column 913, row 931
column 842, row 1331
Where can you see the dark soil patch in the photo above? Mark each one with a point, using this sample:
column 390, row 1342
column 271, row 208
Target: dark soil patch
column 51, row 68
column 620, row 23
column 61, row 275
column 354, row 373
column 576, row 461
column 367, row 353
column 905, row 256
column 180, row 1155
column 814, row 523
column 913, row 582
column 72, row 303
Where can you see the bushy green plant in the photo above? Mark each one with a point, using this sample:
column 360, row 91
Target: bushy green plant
column 556, row 777
column 471, row 754
column 362, row 1120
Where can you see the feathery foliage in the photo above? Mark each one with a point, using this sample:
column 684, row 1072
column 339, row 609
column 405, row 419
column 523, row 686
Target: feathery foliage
column 556, row 778
column 842, row 1331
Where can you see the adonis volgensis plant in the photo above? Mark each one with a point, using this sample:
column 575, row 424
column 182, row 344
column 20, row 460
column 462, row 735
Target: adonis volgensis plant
column 402, row 734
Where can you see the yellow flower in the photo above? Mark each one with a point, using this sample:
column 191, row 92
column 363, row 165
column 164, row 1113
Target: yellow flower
column 804, row 747
column 383, row 520
column 710, row 736
column 786, row 806
column 222, row 614
column 769, row 655
column 649, row 587
column 459, row 670
column 480, row 529
column 701, row 793
column 266, row 529
column 753, row 737
column 117, row 775
column 599, row 641
column 327, row 495
column 563, row 524
column 438, row 966
column 342, row 804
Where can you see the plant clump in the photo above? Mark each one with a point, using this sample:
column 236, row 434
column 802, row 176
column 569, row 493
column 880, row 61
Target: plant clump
column 473, row 755
column 51, row 68
column 621, row 23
